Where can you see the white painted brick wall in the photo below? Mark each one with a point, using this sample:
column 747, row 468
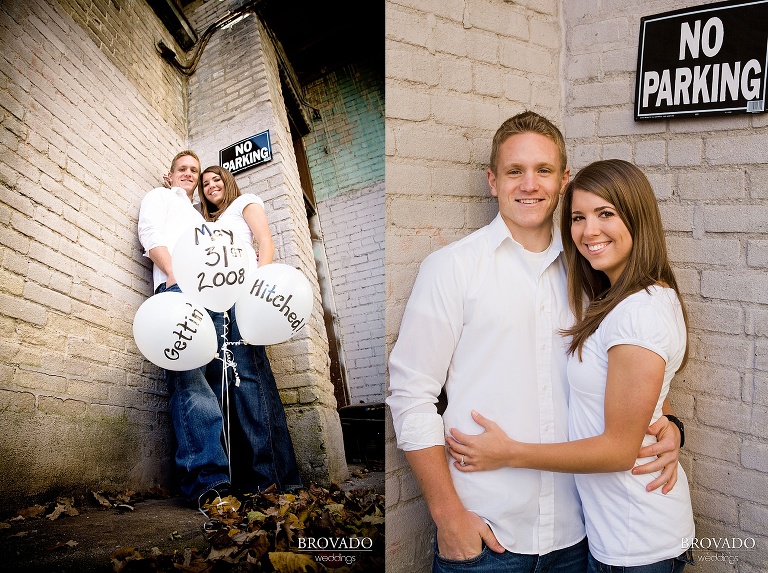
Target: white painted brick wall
column 353, row 234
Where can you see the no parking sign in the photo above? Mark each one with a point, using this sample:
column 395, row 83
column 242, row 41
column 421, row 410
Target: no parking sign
column 249, row 152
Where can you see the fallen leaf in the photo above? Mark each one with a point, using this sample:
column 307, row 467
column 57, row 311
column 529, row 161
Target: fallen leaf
column 64, row 505
column 122, row 556
column 71, row 511
column 256, row 516
column 102, row 501
column 31, row 512
column 225, row 552
column 239, row 537
column 126, row 553
column 373, row 519
column 287, row 562
column 58, row 510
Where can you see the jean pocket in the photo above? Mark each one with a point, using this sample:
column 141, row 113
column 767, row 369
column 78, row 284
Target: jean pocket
column 439, row 559
column 686, row 557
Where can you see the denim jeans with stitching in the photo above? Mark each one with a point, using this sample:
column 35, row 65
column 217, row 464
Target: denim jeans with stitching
column 674, row 565
column 571, row 559
column 262, row 452
column 197, row 422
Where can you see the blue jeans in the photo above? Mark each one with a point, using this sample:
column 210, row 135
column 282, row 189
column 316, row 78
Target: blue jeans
column 197, row 423
column 674, row 565
column 261, row 449
column 571, row 559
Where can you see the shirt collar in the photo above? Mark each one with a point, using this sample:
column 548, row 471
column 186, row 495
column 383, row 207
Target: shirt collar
column 498, row 232
column 183, row 195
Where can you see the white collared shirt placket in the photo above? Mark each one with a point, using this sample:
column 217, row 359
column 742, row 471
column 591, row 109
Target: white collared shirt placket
column 544, row 356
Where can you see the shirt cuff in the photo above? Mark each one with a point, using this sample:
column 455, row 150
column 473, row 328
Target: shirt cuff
column 421, row 430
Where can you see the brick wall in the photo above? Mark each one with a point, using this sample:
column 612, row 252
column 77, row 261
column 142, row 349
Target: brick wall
column 346, row 146
column 353, row 234
column 345, row 152
column 83, row 136
column 126, row 33
column 709, row 177
column 454, row 72
column 235, row 93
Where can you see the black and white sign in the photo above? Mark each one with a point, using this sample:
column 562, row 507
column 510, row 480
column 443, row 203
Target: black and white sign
column 707, row 60
column 247, row 153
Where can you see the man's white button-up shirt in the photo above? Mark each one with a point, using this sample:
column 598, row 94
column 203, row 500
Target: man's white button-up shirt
column 483, row 324
column 165, row 214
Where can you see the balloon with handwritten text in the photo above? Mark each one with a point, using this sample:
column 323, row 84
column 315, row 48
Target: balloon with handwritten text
column 276, row 304
column 210, row 265
column 174, row 332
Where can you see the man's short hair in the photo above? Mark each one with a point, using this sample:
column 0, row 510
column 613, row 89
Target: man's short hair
column 527, row 122
column 181, row 154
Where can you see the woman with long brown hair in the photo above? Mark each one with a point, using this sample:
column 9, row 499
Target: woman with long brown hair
column 261, row 451
column 628, row 341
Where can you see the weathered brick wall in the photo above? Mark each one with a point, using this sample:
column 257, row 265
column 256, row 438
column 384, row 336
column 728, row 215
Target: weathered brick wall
column 346, row 146
column 345, row 151
column 353, row 233
column 82, row 138
column 709, row 176
column 127, row 33
column 235, row 93
column 454, row 71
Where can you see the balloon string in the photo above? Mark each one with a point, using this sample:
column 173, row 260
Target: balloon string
column 226, row 354
column 225, row 419
column 228, row 361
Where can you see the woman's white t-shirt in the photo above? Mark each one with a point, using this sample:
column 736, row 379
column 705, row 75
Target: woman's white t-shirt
column 233, row 220
column 626, row 525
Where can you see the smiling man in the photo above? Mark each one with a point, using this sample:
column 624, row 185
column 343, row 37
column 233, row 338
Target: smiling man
column 483, row 323
column 165, row 214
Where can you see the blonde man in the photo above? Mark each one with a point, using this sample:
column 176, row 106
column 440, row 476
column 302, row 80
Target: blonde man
column 166, row 212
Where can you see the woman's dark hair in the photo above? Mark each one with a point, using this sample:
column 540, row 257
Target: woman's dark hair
column 590, row 293
column 210, row 211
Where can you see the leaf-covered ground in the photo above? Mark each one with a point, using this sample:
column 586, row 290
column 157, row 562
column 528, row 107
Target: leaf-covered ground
column 264, row 532
column 311, row 530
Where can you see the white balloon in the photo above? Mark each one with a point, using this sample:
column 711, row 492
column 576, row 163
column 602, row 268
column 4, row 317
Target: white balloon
column 174, row 332
column 276, row 304
column 210, row 265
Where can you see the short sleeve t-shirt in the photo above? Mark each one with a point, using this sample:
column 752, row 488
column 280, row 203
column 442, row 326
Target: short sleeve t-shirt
column 626, row 525
column 233, row 220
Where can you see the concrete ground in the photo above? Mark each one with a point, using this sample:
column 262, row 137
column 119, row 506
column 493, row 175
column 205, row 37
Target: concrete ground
column 84, row 543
